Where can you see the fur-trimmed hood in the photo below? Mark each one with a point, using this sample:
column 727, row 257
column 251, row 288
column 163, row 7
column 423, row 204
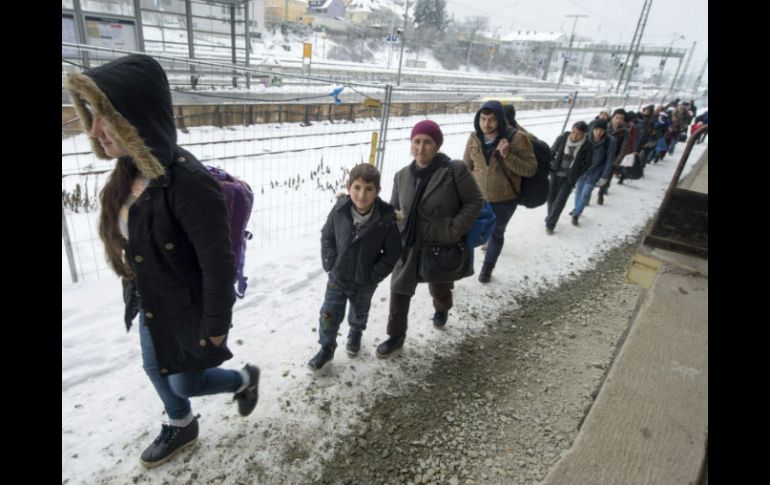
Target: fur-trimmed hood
column 132, row 95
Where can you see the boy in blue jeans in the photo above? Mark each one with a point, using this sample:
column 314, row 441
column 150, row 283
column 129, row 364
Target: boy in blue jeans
column 360, row 244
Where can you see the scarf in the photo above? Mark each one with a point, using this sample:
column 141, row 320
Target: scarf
column 423, row 176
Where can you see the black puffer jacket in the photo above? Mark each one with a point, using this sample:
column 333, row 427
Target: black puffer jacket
column 365, row 258
column 179, row 244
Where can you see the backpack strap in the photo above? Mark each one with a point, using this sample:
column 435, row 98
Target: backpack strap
column 500, row 160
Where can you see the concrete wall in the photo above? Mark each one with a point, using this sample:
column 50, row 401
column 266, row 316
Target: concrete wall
column 246, row 114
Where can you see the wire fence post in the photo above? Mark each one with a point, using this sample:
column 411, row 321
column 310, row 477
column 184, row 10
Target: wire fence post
column 569, row 113
column 384, row 127
column 65, row 234
column 373, row 152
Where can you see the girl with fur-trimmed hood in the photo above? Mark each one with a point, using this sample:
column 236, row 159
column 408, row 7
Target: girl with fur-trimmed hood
column 164, row 226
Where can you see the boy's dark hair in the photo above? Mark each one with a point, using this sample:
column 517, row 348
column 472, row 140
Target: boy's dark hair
column 488, row 111
column 367, row 172
column 581, row 125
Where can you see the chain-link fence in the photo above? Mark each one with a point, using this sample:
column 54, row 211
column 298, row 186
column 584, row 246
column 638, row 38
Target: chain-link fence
column 294, row 146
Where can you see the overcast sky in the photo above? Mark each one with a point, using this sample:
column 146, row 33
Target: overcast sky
column 610, row 20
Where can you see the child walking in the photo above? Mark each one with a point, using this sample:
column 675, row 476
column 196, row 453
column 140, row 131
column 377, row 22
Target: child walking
column 360, row 244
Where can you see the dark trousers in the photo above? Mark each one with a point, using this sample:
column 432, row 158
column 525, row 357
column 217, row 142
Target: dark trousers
column 399, row 306
column 333, row 311
column 558, row 192
column 503, row 213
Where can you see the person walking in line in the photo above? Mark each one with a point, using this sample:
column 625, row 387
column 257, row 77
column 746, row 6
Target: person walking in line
column 164, row 225
column 598, row 172
column 437, row 201
column 571, row 158
column 360, row 244
column 498, row 156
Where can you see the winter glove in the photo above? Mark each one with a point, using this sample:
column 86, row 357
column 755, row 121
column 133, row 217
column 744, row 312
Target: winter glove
column 602, row 182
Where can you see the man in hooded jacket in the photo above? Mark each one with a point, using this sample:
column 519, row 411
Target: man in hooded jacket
column 498, row 156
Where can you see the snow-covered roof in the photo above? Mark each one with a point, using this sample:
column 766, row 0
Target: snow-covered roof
column 369, row 6
column 325, row 4
column 531, row 36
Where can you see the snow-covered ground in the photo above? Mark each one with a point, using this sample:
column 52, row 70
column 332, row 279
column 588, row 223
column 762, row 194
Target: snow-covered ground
column 110, row 411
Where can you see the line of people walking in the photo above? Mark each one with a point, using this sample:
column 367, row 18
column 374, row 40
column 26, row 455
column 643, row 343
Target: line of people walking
column 164, row 225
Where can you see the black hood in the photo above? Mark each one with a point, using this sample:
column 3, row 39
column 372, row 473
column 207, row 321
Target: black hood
column 497, row 109
column 133, row 94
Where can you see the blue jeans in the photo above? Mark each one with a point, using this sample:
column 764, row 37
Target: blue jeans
column 583, row 190
column 333, row 311
column 175, row 389
column 503, row 213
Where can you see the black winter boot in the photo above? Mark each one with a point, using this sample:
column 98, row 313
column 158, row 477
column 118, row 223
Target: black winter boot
column 387, row 347
column 247, row 398
column 485, row 274
column 323, row 357
column 439, row 319
column 170, row 441
column 354, row 344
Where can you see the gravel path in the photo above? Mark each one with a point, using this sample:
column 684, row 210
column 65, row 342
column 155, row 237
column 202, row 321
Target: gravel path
column 505, row 405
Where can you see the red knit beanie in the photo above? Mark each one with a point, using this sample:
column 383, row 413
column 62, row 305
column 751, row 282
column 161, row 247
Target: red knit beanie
column 430, row 128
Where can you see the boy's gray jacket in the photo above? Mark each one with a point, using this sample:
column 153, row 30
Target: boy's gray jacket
column 450, row 205
column 354, row 260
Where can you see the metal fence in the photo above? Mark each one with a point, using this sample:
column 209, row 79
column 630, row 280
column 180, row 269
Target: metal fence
column 294, row 148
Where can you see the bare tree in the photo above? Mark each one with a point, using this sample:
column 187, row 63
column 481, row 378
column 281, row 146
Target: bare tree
column 471, row 27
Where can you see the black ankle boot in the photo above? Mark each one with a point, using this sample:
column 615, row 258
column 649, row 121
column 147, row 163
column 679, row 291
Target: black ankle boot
column 323, row 357
column 388, row 346
column 354, row 344
column 170, row 441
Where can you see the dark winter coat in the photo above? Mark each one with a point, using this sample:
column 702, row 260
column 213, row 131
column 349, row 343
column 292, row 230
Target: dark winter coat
column 582, row 158
column 354, row 260
column 450, row 205
column 620, row 144
column 179, row 240
column 601, row 163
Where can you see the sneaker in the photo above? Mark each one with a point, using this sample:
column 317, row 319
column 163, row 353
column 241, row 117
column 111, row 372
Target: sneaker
column 354, row 344
column 388, row 346
column 485, row 274
column 170, row 441
column 247, row 398
column 323, row 357
column 549, row 231
column 574, row 220
column 439, row 319
column 600, row 199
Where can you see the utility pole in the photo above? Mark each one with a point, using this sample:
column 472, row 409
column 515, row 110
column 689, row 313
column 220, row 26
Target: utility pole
column 390, row 42
column 635, row 40
column 676, row 76
column 492, row 49
column 635, row 60
column 670, row 49
column 571, row 38
column 700, row 76
column 403, row 41
column 468, row 59
column 686, row 65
